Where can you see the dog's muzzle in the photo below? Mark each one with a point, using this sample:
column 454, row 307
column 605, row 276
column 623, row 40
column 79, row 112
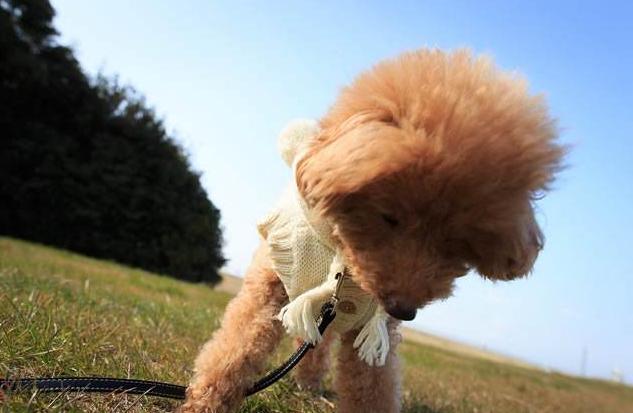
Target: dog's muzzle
column 400, row 311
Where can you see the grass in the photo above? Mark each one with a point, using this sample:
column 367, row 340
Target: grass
column 65, row 314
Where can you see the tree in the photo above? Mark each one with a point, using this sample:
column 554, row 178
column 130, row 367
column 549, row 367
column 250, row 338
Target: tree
column 88, row 166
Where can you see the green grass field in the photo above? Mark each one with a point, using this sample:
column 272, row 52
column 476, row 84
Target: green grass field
column 65, row 314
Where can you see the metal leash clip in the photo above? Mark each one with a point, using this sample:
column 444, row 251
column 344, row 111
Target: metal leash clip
column 334, row 299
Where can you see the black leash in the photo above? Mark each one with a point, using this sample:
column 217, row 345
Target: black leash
column 94, row 385
column 327, row 316
column 155, row 388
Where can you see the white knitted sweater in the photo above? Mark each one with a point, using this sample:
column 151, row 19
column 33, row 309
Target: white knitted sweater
column 306, row 260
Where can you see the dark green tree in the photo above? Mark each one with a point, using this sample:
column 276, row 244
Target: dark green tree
column 88, row 166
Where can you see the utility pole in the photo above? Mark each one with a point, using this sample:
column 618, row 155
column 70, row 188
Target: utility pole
column 583, row 362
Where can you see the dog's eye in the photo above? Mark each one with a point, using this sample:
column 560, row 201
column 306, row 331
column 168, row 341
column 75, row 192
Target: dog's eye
column 390, row 220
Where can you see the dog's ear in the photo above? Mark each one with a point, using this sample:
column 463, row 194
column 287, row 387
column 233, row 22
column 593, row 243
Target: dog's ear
column 506, row 248
column 343, row 161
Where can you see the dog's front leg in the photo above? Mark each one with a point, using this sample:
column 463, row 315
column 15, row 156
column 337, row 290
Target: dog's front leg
column 310, row 371
column 230, row 362
column 364, row 388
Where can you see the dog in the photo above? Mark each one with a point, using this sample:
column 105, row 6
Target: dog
column 426, row 167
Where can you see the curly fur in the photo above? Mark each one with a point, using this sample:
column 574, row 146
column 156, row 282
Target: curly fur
column 427, row 166
column 440, row 157
column 311, row 369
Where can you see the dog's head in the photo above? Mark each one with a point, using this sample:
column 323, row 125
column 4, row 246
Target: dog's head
column 427, row 166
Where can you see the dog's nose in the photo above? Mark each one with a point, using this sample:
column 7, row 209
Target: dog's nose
column 400, row 311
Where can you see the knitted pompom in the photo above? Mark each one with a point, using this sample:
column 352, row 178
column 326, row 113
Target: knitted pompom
column 296, row 137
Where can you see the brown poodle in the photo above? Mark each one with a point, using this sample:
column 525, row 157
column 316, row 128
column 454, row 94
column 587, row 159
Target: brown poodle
column 426, row 167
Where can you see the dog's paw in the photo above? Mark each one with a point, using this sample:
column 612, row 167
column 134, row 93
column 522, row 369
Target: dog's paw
column 200, row 401
column 207, row 398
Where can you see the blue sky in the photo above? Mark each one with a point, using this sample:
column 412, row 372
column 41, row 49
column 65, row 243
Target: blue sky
column 227, row 76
